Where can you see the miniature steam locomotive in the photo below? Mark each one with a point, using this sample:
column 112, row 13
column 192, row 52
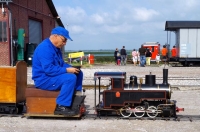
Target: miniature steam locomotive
column 123, row 99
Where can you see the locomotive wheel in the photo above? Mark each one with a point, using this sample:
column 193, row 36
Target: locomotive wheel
column 125, row 111
column 139, row 111
column 152, row 112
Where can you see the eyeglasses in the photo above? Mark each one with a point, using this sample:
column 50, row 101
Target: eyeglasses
column 64, row 40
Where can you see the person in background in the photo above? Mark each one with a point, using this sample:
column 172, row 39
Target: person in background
column 142, row 52
column 118, row 59
column 134, row 57
column 138, row 58
column 115, row 55
column 148, row 57
column 164, row 52
column 158, row 59
column 173, row 51
column 123, row 56
column 50, row 72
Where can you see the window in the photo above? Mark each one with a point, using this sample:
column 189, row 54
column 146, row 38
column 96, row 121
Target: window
column 35, row 31
column 3, row 31
column 152, row 49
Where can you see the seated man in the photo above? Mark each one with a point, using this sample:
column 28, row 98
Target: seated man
column 50, row 72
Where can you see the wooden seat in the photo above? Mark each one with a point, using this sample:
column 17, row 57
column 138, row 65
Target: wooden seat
column 13, row 83
column 40, row 101
column 32, row 91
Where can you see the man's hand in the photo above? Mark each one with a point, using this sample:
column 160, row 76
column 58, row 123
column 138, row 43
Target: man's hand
column 72, row 70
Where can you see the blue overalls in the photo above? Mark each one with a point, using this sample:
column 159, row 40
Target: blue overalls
column 49, row 73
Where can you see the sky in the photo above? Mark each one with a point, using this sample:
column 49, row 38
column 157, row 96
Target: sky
column 111, row 24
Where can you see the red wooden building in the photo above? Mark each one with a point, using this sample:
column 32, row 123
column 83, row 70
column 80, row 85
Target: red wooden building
column 36, row 17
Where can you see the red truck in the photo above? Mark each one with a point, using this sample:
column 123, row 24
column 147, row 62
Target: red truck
column 154, row 47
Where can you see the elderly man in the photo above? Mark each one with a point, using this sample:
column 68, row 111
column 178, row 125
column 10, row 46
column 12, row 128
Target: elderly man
column 50, row 72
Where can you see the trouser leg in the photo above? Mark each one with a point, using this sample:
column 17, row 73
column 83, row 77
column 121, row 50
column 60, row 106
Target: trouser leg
column 79, row 81
column 66, row 84
column 148, row 60
column 116, row 60
column 122, row 59
column 142, row 60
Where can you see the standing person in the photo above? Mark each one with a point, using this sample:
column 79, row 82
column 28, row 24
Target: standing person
column 158, row 58
column 164, row 53
column 123, row 55
column 118, row 59
column 148, row 57
column 142, row 52
column 116, row 54
column 173, row 51
column 50, row 72
column 134, row 56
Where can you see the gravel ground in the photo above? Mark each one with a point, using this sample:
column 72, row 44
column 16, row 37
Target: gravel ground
column 186, row 97
column 140, row 72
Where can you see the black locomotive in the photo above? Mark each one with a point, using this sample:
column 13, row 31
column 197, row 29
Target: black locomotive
column 140, row 99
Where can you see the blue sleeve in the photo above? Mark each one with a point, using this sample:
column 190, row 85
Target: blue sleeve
column 51, row 63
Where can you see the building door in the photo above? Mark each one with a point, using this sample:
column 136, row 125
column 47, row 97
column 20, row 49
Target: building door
column 35, row 31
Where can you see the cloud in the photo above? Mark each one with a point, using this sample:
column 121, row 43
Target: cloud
column 191, row 3
column 97, row 19
column 143, row 14
column 76, row 29
column 72, row 15
column 122, row 28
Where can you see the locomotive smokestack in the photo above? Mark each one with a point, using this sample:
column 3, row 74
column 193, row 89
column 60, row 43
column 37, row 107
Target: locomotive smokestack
column 165, row 76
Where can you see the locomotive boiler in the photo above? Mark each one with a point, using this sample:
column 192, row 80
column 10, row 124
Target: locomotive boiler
column 140, row 99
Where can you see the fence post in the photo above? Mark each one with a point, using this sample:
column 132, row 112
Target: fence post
column 70, row 60
column 81, row 60
column 89, row 58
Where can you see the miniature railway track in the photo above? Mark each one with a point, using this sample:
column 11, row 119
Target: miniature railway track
column 172, row 86
column 190, row 118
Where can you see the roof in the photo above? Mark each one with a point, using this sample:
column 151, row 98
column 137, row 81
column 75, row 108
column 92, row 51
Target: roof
column 174, row 25
column 150, row 43
column 54, row 12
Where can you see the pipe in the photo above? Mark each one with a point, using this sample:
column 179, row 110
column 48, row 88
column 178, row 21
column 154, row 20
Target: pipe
column 11, row 39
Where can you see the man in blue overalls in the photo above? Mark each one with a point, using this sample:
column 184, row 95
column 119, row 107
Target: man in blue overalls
column 50, row 72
